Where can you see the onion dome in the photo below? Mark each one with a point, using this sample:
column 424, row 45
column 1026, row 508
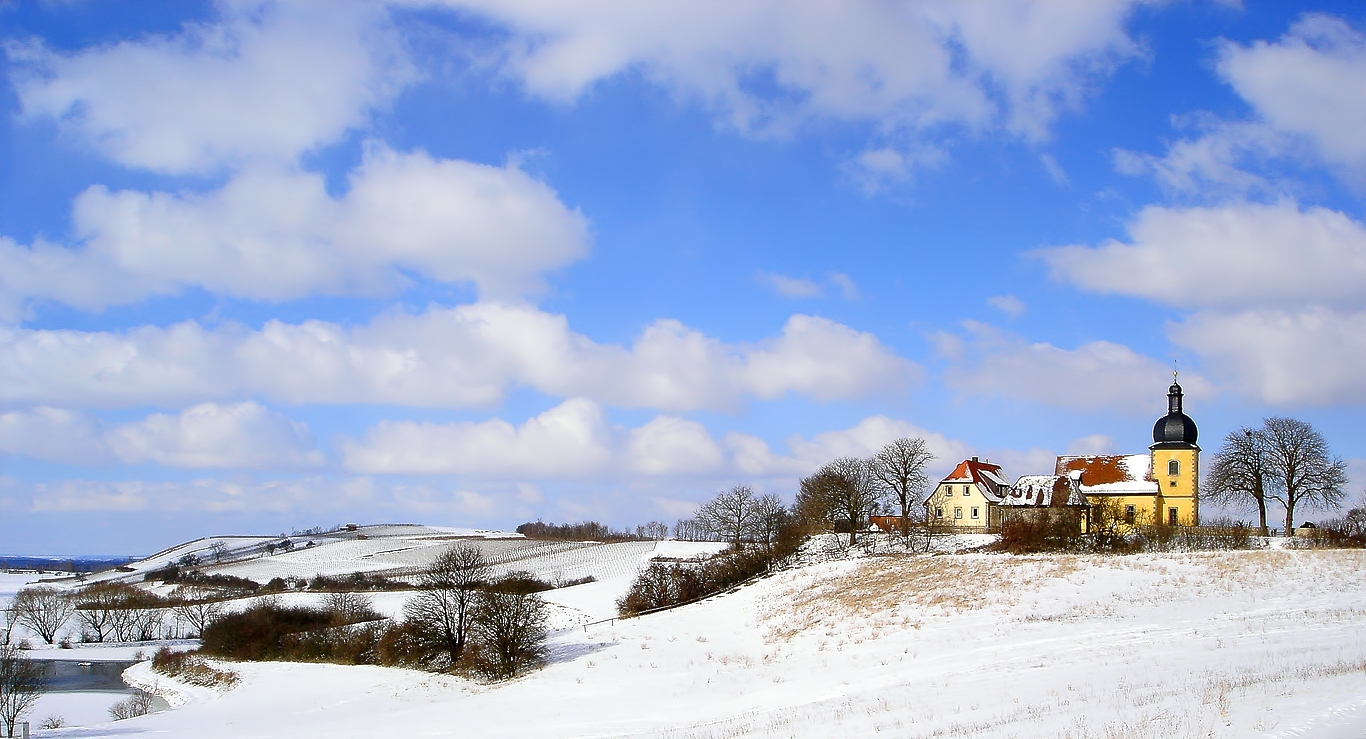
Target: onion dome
column 1176, row 429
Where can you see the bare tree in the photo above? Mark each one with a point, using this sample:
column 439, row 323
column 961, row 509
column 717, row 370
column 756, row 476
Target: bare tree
column 218, row 550
column 43, row 609
column 770, row 515
column 1306, row 473
column 850, row 489
column 899, row 470
column 731, row 514
column 443, row 608
column 511, row 629
column 814, row 506
column 197, row 606
column 1241, row 472
column 22, row 683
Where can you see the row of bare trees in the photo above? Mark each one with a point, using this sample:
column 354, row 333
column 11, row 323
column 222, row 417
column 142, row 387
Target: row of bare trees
column 1284, row 461
column 849, row 488
column 110, row 611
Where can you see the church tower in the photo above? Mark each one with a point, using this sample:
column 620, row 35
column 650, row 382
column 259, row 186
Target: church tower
column 1176, row 464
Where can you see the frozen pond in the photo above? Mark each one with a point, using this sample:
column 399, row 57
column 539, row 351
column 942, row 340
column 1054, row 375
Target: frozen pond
column 81, row 692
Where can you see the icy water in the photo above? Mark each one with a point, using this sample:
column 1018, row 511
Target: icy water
column 70, row 676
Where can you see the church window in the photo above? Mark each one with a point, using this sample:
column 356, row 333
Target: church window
column 1173, row 467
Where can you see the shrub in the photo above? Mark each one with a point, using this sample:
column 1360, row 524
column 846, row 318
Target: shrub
column 258, row 632
column 138, row 704
column 269, row 631
column 661, row 584
column 191, row 668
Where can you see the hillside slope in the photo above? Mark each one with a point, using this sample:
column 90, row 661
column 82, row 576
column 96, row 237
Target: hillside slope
column 1166, row 645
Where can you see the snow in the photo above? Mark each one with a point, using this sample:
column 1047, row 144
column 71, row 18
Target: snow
column 1232, row 644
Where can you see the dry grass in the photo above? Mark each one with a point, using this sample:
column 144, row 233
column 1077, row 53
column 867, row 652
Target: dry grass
column 886, row 586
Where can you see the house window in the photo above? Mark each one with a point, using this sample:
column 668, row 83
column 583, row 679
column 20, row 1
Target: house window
column 1173, row 467
column 957, row 512
column 939, row 513
column 1171, row 516
column 1128, row 514
column 974, row 511
column 1171, row 484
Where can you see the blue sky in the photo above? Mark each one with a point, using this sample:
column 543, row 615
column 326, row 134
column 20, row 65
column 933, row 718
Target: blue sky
column 270, row 266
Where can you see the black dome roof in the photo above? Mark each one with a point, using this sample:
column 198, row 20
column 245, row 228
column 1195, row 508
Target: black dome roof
column 1176, row 428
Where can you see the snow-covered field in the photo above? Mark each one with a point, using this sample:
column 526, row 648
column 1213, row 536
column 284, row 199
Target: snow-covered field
column 1237, row 644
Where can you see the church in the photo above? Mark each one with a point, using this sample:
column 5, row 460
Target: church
column 1159, row 487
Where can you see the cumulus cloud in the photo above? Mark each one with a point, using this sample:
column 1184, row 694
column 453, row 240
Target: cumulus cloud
column 52, row 434
column 1094, row 376
column 207, row 436
column 1311, row 82
column 767, row 66
column 1235, row 255
column 218, row 496
column 569, row 440
column 1288, row 357
column 469, row 355
column 266, row 80
column 1307, row 92
column 574, row 441
column 276, row 234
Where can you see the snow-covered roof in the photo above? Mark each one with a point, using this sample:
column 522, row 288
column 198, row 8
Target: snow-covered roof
column 1044, row 490
column 986, row 476
column 1110, row 474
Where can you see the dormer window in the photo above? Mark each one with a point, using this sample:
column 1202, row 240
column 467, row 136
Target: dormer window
column 1173, row 467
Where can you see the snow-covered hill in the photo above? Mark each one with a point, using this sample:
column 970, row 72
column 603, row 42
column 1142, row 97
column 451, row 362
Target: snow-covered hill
column 1235, row 644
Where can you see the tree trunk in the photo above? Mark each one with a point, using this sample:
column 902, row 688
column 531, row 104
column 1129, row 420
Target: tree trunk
column 1289, row 516
column 1261, row 506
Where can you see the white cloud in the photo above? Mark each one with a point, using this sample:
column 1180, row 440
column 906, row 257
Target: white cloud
column 209, row 435
column 1093, row 376
column 1054, row 170
column 52, row 434
column 267, row 81
column 1007, row 304
column 1217, row 161
column 570, row 440
column 1312, row 83
column 792, row 287
column 276, row 234
column 445, row 357
column 1286, row 357
column 312, row 494
column 845, row 283
column 1235, row 255
column 669, row 445
column 236, row 436
column 767, row 66
column 574, row 441
column 803, row 287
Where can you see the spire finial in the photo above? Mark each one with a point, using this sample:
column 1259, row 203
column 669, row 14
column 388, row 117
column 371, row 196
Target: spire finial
column 1174, row 371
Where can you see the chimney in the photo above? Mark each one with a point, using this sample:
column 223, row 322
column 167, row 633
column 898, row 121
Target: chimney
column 974, row 459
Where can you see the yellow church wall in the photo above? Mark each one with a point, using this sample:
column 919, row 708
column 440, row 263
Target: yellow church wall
column 1181, row 490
